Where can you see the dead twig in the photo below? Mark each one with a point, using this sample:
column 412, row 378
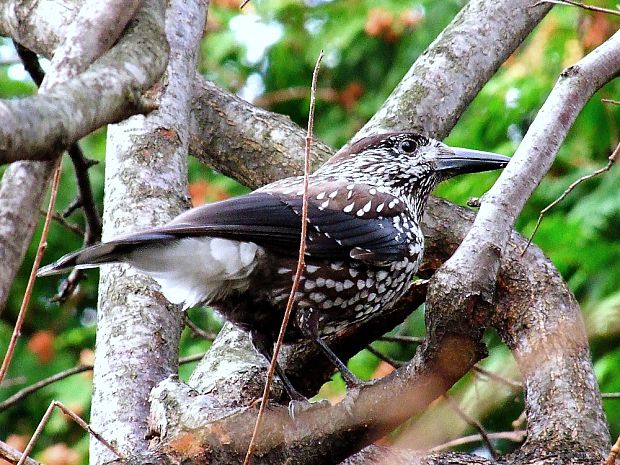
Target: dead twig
column 74, row 228
column 611, row 159
column 608, row 100
column 191, row 358
column 198, row 331
column 515, row 436
column 611, row 395
column 74, row 417
column 471, row 421
column 403, row 339
column 25, row 392
column 514, row 385
column 12, row 455
column 385, row 358
column 298, row 271
column 33, row 275
column 580, row 5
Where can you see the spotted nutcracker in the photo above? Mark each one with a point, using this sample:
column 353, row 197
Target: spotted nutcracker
column 364, row 242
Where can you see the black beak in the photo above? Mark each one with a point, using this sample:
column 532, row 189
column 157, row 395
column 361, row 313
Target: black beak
column 456, row 160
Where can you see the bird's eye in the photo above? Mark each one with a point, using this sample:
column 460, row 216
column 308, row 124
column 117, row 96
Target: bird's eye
column 408, row 146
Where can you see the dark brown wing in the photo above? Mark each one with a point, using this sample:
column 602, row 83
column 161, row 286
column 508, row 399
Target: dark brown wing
column 271, row 220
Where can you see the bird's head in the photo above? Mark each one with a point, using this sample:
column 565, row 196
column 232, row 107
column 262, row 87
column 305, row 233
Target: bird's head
column 409, row 162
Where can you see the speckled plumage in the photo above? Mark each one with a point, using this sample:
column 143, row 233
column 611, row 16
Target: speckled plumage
column 364, row 242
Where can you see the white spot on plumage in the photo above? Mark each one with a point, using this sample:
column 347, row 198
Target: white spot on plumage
column 360, row 212
column 347, row 284
column 321, row 196
column 380, row 207
column 349, row 208
column 367, row 206
column 311, row 268
column 333, row 194
column 336, row 266
column 324, row 204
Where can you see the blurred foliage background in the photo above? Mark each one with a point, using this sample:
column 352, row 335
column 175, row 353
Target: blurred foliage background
column 266, row 54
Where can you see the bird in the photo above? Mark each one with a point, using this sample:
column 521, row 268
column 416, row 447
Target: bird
column 364, row 243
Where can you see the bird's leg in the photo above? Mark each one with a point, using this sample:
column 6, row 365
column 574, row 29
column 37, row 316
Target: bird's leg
column 308, row 323
column 264, row 346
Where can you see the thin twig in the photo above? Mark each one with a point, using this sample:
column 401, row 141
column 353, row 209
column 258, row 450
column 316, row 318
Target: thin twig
column 74, row 228
column 514, row 385
column 608, row 100
column 191, row 358
column 72, row 207
column 471, row 421
column 403, row 339
column 385, row 358
column 245, row 2
column 607, row 167
column 298, row 272
column 87, row 199
column 611, row 395
column 515, row 436
column 198, row 331
column 33, row 275
column 13, row 455
column 22, row 393
column 25, row 392
column 75, row 418
column 580, row 5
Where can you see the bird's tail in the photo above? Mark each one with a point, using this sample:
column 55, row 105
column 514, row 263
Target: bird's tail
column 90, row 257
column 115, row 251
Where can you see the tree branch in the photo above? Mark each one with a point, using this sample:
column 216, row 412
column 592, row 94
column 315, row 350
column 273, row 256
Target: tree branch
column 108, row 91
column 146, row 172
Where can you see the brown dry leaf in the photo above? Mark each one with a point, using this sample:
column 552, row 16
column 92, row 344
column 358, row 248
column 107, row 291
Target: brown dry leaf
column 349, row 96
column 378, row 21
column 596, row 29
column 42, row 345
column 60, row 454
column 411, row 17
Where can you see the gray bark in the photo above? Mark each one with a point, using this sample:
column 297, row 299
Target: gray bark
column 110, row 90
column 533, row 270
column 146, row 174
column 225, row 121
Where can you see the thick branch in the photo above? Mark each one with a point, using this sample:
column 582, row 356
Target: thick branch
column 146, row 172
column 467, row 279
column 108, row 91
